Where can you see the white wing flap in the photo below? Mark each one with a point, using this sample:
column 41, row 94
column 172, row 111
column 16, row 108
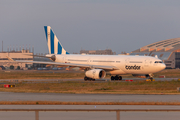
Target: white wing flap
column 71, row 64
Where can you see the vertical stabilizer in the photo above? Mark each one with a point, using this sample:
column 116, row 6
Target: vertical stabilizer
column 54, row 46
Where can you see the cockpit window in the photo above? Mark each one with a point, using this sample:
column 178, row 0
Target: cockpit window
column 158, row 62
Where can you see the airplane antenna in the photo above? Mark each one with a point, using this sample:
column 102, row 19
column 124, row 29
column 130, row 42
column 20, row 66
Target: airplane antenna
column 29, row 48
column 33, row 49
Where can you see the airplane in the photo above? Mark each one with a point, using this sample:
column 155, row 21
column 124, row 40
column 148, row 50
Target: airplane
column 98, row 66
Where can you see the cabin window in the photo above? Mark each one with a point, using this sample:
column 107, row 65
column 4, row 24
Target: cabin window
column 135, row 62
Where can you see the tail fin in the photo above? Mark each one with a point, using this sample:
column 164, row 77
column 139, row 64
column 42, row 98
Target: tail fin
column 53, row 43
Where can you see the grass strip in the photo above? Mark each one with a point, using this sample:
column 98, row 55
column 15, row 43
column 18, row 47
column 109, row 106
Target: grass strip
column 38, row 75
column 136, row 87
column 83, row 103
column 49, row 74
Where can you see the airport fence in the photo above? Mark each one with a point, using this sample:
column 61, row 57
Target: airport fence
column 91, row 110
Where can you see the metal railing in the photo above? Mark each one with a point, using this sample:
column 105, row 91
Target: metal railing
column 93, row 110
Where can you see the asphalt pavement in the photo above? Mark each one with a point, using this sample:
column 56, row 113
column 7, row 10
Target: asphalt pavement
column 89, row 115
column 10, row 96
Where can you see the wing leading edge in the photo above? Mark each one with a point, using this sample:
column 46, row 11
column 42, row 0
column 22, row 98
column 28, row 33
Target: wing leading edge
column 71, row 64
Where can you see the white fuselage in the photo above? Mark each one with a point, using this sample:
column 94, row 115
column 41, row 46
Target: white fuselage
column 126, row 64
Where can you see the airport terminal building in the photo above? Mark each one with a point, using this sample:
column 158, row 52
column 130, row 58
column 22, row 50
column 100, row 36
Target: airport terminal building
column 15, row 55
column 166, row 50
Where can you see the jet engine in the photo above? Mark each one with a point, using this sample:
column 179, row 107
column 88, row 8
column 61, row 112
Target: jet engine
column 95, row 73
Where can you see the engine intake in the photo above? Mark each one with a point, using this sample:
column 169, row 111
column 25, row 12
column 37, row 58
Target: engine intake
column 96, row 73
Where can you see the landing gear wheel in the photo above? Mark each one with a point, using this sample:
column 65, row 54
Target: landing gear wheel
column 151, row 77
column 116, row 77
column 120, row 78
column 85, row 78
column 112, row 78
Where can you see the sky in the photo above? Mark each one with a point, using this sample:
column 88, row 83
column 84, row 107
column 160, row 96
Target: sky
column 120, row 25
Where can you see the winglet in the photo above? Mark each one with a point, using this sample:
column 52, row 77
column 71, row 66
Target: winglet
column 9, row 58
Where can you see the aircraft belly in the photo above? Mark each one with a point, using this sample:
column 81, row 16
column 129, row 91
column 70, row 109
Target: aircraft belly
column 144, row 70
column 116, row 72
column 137, row 72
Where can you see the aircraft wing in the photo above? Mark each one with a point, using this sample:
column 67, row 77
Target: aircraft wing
column 71, row 64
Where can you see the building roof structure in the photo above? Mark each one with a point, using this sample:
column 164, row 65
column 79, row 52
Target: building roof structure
column 163, row 49
column 169, row 45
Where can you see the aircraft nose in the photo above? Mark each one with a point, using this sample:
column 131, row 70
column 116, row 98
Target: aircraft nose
column 163, row 66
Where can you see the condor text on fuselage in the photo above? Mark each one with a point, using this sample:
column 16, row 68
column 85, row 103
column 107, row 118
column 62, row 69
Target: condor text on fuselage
column 133, row 67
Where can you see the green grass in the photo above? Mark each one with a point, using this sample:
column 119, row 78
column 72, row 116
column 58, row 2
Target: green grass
column 136, row 87
column 38, row 75
column 33, row 74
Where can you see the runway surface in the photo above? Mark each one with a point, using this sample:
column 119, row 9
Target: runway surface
column 89, row 115
column 3, row 81
column 9, row 96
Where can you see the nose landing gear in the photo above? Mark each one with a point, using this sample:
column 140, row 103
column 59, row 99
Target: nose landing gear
column 151, row 77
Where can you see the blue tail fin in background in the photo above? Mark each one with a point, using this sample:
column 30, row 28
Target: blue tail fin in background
column 54, row 46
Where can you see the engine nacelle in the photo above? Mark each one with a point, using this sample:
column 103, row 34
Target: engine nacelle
column 96, row 73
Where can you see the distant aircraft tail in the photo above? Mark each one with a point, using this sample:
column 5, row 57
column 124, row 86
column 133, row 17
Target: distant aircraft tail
column 53, row 43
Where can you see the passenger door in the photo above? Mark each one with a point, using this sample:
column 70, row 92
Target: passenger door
column 146, row 63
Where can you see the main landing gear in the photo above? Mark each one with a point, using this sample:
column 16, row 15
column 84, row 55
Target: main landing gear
column 112, row 78
column 116, row 77
column 87, row 78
